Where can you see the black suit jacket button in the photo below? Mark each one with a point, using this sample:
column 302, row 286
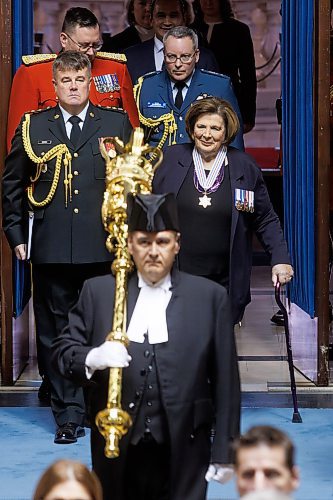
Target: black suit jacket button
column 143, row 372
column 131, row 406
column 146, row 354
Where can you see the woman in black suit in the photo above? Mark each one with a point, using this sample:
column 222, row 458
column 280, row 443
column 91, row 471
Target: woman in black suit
column 230, row 41
column 139, row 29
column 222, row 200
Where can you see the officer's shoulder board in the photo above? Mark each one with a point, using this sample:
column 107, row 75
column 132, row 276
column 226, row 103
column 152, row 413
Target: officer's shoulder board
column 37, row 111
column 207, row 72
column 37, row 59
column 112, row 56
column 150, row 74
column 111, row 108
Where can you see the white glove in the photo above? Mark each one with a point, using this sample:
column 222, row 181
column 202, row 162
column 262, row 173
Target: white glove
column 282, row 273
column 220, row 473
column 111, row 354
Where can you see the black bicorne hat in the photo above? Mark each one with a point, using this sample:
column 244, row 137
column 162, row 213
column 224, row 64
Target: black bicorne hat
column 152, row 212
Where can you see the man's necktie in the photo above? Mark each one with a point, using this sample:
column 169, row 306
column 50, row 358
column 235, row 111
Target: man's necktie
column 76, row 129
column 179, row 96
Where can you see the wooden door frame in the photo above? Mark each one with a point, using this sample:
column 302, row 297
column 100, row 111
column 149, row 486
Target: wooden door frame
column 321, row 165
column 5, row 252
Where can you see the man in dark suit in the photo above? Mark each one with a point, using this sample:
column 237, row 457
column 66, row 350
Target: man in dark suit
column 181, row 376
column 164, row 97
column 148, row 56
column 55, row 162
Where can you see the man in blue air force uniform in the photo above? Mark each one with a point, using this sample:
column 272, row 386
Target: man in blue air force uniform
column 164, row 97
column 180, row 372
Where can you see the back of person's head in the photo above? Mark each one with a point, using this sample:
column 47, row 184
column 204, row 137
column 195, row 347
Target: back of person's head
column 267, row 436
column 71, row 60
column 68, row 470
column 79, row 17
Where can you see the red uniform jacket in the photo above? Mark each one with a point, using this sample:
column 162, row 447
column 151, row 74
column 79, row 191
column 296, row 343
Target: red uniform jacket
column 32, row 88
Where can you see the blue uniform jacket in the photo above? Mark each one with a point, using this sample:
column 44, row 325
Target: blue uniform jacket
column 155, row 99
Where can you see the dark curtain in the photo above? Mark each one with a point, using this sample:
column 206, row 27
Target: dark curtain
column 298, row 161
column 22, row 45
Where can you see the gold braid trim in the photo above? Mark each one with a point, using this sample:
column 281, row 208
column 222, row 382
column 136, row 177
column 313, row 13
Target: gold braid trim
column 168, row 119
column 61, row 152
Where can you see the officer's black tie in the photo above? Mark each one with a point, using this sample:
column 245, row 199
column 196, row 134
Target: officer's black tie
column 76, row 129
column 179, row 96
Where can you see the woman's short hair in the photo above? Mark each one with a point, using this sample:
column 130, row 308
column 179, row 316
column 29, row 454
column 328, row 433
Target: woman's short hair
column 213, row 105
column 68, row 470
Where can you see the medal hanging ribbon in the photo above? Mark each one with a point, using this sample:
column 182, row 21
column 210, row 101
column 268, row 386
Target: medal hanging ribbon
column 208, row 183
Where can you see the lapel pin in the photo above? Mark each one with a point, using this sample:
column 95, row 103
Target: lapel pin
column 91, row 114
column 56, row 117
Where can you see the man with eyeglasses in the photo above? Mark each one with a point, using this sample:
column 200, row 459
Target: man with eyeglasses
column 53, row 186
column 146, row 57
column 164, row 97
column 111, row 85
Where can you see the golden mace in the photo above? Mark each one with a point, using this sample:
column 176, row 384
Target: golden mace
column 129, row 171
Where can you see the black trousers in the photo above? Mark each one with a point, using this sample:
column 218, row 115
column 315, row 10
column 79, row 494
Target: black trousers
column 147, row 471
column 141, row 472
column 56, row 288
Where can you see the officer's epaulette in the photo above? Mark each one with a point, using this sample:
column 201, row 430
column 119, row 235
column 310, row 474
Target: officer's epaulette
column 113, row 56
column 36, row 111
column 213, row 73
column 151, row 73
column 37, row 58
column 113, row 108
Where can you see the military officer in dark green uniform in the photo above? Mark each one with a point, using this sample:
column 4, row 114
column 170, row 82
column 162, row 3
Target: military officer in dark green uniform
column 53, row 187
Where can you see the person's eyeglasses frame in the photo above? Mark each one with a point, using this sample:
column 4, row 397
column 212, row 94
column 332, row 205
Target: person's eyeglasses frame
column 93, row 46
column 167, row 59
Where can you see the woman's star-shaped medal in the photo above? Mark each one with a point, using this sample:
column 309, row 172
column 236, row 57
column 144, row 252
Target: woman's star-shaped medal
column 205, row 201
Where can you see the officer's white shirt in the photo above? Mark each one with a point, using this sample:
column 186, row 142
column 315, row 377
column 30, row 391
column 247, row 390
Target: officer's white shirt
column 67, row 116
column 184, row 90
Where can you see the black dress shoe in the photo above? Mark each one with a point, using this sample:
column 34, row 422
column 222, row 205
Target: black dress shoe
column 68, row 433
column 44, row 392
column 278, row 318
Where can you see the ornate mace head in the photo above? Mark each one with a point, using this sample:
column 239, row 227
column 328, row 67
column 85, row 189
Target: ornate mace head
column 129, row 169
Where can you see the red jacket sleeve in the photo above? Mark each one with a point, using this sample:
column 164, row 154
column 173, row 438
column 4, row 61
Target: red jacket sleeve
column 23, row 98
column 127, row 98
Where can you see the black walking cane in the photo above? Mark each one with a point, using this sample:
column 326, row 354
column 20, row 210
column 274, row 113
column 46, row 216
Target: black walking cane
column 297, row 419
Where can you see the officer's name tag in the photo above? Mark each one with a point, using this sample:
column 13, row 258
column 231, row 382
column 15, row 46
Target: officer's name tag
column 156, row 104
column 244, row 200
column 42, row 143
